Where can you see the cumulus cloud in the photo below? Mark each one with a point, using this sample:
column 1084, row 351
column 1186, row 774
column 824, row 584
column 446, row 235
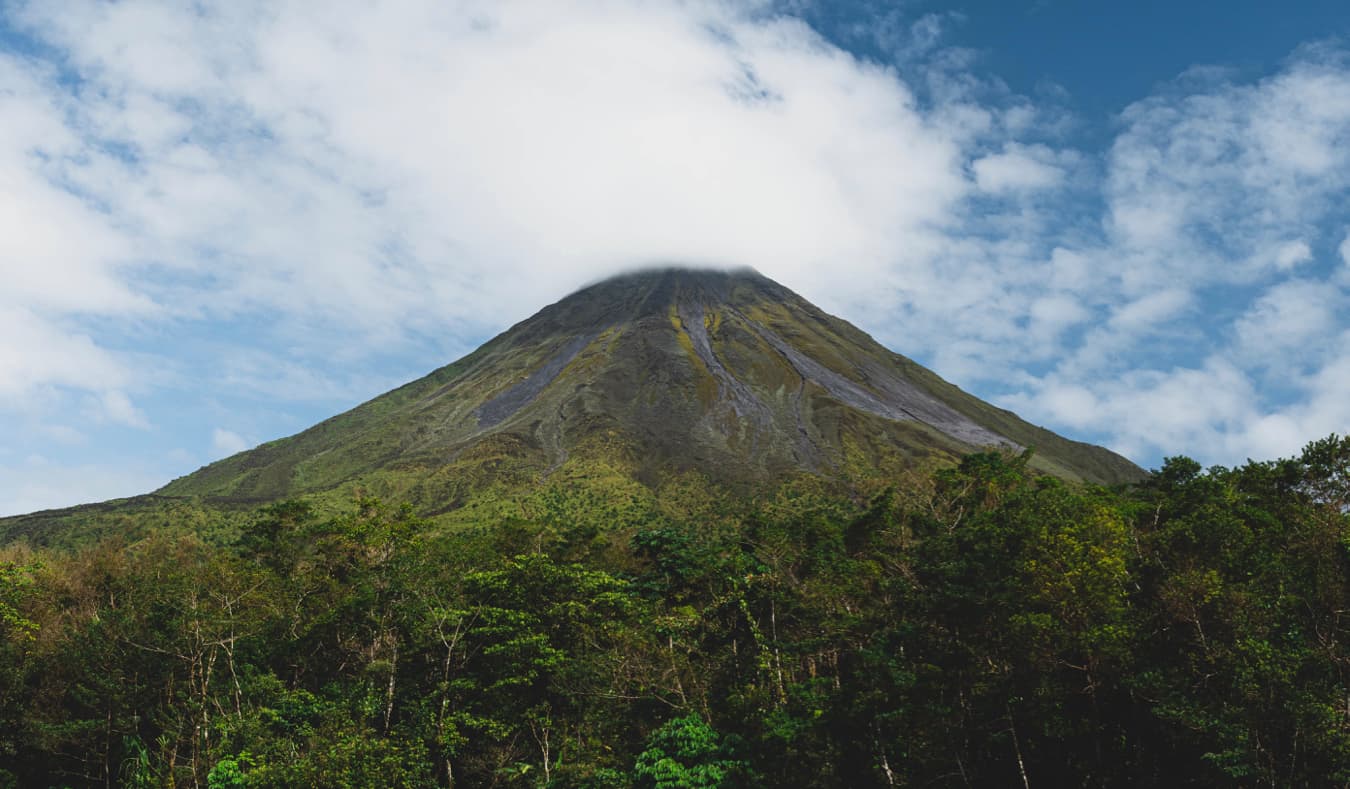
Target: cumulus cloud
column 380, row 165
column 1149, row 410
column 316, row 189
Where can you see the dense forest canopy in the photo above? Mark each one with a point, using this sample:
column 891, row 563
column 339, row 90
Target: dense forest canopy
column 979, row 626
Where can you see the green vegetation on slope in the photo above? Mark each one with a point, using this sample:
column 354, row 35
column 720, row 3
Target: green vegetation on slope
column 978, row 625
column 691, row 369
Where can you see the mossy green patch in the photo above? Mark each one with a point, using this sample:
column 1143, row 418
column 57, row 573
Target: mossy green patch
column 705, row 384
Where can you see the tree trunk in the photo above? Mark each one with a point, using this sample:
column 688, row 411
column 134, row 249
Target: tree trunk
column 1017, row 749
column 389, row 690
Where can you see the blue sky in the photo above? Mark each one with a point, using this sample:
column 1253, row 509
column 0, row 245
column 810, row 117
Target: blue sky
column 1108, row 55
column 223, row 222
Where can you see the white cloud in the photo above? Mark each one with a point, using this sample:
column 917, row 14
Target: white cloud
column 117, row 407
column 1151, row 412
column 1291, row 254
column 225, row 443
column 1289, row 323
column 327, row 185
column 1213, row 189
column 337, row 182
column 1210, row 184
column 36, row 353
column 1150, row 310
column 57, row 250
column 1017, row 168
column 1052, row 314
column 377, row 165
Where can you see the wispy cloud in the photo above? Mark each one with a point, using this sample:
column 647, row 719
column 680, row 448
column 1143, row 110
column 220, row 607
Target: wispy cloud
column 226, row 442
column 1223, row 205
column 316, row 190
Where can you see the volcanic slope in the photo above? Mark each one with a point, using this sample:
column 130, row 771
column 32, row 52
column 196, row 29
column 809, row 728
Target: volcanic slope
column 643, row 377
column 731, row 374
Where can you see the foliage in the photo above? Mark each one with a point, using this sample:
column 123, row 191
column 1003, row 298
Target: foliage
column 685, row 753
column 983, row 626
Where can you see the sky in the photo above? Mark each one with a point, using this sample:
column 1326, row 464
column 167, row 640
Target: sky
column 222, row 222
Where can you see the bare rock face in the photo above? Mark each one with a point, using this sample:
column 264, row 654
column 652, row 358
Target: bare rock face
column 726, row 373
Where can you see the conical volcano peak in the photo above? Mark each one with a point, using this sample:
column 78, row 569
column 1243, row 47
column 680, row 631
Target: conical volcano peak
column 714, row 284
column 653, row 291
column 649, row 373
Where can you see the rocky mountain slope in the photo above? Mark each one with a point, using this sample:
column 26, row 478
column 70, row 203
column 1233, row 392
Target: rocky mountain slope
column 729, row 373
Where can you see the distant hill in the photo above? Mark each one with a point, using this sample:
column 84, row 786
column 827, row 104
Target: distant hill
column 725, row 375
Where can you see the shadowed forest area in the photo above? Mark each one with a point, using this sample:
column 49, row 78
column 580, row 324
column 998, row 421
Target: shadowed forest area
column 979, row 626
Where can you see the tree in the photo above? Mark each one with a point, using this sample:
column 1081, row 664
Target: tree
column 685, row 753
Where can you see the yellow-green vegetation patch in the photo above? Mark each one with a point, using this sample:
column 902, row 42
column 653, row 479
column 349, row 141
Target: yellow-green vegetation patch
column 769, row 368
column 590, row 359
column 611, row 337
column 705, row 385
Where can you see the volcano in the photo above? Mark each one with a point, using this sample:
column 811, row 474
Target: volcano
column 727, row 373
column 645, row 377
